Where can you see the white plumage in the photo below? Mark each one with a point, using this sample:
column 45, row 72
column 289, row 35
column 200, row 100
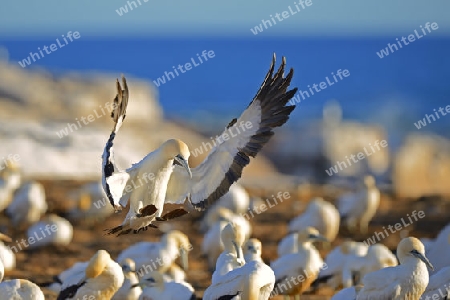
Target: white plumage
column 360, row 207
column 102, row 279
column 18, row 289
column 155, row 287
column 345, row 294
column 438, row 286
column 321, row 215
column 232, row 256
column 54, row 230
column 306, row 262
column 236, row 200
column 160, row 181
column 378, row 257
column 28, row 204
column 212, row 244
column 10, row 180
column 7, row 256
column 440, row 249
column 253, row 250
column 405, row 281
column 128, row 290
column 235, row 278
column 158, row 256
column 335, row 261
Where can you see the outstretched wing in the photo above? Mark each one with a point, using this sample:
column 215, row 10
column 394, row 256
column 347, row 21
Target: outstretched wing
column 231, row 151
column 113, row 179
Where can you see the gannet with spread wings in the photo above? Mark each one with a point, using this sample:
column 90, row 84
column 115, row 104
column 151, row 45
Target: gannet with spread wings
column 166, row 172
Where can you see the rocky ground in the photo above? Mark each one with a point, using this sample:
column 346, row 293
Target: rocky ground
column 41, row 265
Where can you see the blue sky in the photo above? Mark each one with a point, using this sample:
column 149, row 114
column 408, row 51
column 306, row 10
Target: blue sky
column 49, row 18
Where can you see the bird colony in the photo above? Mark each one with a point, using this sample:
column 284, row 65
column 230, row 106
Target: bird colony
column 157, row 270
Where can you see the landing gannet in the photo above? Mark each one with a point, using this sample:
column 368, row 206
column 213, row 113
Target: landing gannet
column 321, row 215
column 102, row 279
column 28, row 204
column 159, row 256
column 335, row 261
column 212, row 244
column 18, row 289
column 300, row 268
column 232, row 256
column 405, row 281
column 439, row 286
column 155, row 287
column 128, row 291
column 361, row 206
column 233, row 277
column 205, row 184
column 60, row 233
column 252, row 250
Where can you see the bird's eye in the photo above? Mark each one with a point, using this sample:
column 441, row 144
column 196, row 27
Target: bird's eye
column 151, row 280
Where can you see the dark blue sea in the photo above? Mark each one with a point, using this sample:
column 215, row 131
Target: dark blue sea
column 394, row 91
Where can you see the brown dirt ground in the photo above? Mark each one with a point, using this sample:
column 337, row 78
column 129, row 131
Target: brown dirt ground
column 42, row 264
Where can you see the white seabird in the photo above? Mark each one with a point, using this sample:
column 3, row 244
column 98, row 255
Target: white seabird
column 102, row 279
column 335, row 262
column 90, row 204
column 155, row 287
column 232, row 256
column 378, row 257
column 76, row 273
column 236, row 200
column 28, row 204
column 202, row 186
column 54, row 230
column 10, row 179
column 321, row 215
column 295, row 272
column 253, row 250
column 159, row 256
column 128, row 291
column 360, row 207
column 235, row 277
column 405, row 281
column 7, row 255
column 18, row 289
column 212, row 244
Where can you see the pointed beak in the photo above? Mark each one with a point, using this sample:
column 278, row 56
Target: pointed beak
column 318, row 238
column 183, row 163
column 423, row 258
column 184, row 259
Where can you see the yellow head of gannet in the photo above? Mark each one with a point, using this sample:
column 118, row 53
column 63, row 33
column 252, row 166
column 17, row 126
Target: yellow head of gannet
column 178, row 151
column 412, row 248
column 97, row 264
